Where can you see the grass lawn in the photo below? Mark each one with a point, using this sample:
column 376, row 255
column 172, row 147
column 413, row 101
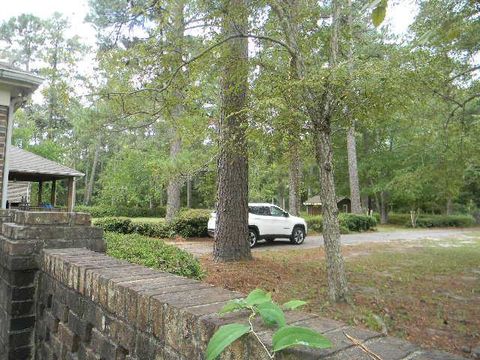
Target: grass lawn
column 426, row 292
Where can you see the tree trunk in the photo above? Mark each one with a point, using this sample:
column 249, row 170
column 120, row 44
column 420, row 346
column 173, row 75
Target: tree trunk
column 189, row 192
column 174, row 185
column 89, row 188
column 351, row 137
column 353, row 170
column 319, row 108
column 337, row 281
column 231, row 236
column 449, row 207
column 295, row 179
column 176, row 36
column 383, row 208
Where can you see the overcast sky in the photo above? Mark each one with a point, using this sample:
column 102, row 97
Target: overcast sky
column 399, row 15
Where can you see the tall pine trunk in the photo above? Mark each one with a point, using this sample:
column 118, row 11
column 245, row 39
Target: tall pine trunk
column 353, row 170
column 231, row 236
column 351, row 135
column 89, row 188
column 174, row 185
column 295, row 178
column 176, row 36
column 383, row 208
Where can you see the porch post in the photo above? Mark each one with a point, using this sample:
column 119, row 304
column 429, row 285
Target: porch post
column 71, row 194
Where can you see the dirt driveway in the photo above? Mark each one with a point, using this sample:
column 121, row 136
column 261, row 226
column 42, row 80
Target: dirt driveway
column 202, row 246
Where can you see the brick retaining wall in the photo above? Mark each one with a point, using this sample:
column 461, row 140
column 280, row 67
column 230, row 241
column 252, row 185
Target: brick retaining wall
column 75, row 303
column 92, row 304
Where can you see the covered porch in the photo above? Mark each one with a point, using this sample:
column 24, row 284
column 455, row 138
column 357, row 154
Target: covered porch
column 26, row 166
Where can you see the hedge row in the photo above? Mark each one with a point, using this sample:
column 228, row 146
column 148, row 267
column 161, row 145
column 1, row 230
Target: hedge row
column 427, row 221
column 348, row 223
column 189, row 223
column 153, row 253
column 100, row 211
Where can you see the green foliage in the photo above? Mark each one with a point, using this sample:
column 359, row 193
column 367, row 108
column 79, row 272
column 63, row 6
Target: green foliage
column 99, row 211
column 160, row 230
column 379, row 12
column 223, row 337
column 259, row 302
column 123, row 225
column 289, row 336
column 314, row 223
column 153, row 253
column 191, row 223
column 355, row 222
column 188, row 223
column 428, row 221
column 348, row 223
column 115, row 224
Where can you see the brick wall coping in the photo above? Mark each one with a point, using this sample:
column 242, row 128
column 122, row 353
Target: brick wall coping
column 179, row 315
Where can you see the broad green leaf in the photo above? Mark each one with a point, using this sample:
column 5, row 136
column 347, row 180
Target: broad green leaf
column 294, row 304
column 234, row 305
column 224, row 336
column 271, row 314
column 288, row 336
column 378, row 14
column 258, row 296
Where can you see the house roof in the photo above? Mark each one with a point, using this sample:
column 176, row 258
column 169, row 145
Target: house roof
column 21, row 80
column 316, row 200
column 26, row 166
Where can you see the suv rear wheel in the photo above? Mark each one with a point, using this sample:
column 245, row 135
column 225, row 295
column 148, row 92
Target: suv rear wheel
column 298, row 235
column 252, row 237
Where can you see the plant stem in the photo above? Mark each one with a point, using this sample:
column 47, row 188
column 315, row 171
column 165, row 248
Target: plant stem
column 271, row 356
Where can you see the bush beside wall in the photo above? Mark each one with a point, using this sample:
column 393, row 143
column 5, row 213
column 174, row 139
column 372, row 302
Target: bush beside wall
column 100, row 211
column 188, row 223
column 191, row 223
column 153, row 253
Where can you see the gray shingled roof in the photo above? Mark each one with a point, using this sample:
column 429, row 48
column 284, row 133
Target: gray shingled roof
column 23, row 162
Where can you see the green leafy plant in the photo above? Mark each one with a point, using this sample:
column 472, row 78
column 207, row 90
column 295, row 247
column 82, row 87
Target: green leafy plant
column 153, row 253
column 260, row 303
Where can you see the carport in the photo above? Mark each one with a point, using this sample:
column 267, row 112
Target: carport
column 26, row 166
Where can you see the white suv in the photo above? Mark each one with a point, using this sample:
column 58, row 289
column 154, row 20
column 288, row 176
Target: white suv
column 268, row 222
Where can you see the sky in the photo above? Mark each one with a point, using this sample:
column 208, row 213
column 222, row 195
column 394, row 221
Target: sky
column 399, row 14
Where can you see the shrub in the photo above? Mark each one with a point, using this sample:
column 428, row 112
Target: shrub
column 100, row 211
column 153, row 253
column 127, row 226
column 158, row 230
column 357, row 222
column 191, row 223
column 444, row 221
column 348, row 223
column 428, row 221
column 115, row 224
column 314, row 223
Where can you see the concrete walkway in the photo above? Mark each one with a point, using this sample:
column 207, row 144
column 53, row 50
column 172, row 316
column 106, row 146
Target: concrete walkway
column 204, row 246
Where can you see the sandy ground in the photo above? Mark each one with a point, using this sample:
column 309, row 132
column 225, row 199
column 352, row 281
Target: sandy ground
column 203, row 246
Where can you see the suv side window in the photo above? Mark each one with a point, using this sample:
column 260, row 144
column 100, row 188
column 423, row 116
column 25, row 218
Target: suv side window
column 259, row 210
column 276, row 211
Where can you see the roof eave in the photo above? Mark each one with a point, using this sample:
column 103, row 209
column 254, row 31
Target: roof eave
column 20, row 79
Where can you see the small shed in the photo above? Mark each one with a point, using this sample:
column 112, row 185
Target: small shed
column 28, row 167
column 314, row 205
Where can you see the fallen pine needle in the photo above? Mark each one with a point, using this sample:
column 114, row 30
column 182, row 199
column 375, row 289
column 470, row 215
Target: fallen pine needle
column 363, row 347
